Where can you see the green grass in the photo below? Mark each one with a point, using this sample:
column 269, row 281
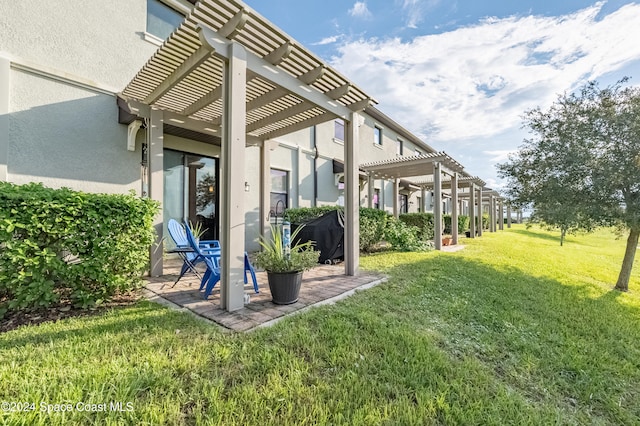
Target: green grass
column 512, row 330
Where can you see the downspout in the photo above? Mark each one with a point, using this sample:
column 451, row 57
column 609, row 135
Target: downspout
column 314, row 137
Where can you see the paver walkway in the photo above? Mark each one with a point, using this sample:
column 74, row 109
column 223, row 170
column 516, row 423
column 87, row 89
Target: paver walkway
column 323, row 284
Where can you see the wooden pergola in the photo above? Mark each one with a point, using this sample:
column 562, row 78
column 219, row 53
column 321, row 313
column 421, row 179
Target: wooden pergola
column 434, row 164
column 228, row 74
column 474, row 186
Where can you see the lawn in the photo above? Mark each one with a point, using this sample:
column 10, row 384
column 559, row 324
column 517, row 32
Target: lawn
column 512, row 330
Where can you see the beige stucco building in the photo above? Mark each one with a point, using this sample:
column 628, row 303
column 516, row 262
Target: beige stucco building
column 93, row 98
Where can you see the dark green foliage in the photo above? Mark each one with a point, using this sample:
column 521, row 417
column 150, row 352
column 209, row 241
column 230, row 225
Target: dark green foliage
column 423, row 222
column 59, row 244
column 372, row 226
column 579, row 169
column 463, row 223
column 404, row 237
column 305, row 214
column 372, row 222
column 485, row 221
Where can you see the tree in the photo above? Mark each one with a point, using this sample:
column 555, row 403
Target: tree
column 581, row 166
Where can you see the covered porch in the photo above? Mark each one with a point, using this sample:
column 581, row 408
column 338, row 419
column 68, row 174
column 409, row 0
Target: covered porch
column 229, row 74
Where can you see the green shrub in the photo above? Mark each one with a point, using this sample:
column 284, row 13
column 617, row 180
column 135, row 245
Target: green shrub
column 463, row 223
column 372, row 222
column 59, row 244
column 372, row 226
column 422, row 221
column 305, row 214
column 403, row 237
column 485, row 221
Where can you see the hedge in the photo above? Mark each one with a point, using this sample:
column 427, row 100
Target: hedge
column 463, row 223
column 372, row 222
column 59, row 245
column 422, row 221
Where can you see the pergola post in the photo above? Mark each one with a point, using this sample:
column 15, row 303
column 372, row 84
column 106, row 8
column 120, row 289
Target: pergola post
column 472, row 211
column 232, row 179
column 492, row 213
column 454, row 207
column 500, row 214
column 437, row 205
column 396, row 195
column 508, row 215
column 423, row 199
column 155, row 145
column 352, row 196
column 480, row 215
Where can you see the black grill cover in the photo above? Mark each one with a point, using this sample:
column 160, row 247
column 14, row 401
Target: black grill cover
column 328, row 234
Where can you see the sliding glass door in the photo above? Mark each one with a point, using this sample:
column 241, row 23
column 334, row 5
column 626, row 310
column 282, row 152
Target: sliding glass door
column 191, row 190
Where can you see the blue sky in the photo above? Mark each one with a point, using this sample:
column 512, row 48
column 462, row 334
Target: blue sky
column 460, row 74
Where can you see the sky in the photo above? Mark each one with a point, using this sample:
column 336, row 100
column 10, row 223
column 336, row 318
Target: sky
column 460, row 74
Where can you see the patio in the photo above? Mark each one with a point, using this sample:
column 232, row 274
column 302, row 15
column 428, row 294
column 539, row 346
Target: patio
column 321, row 285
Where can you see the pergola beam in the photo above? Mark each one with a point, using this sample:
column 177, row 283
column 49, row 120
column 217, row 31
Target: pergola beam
column 196, row 59
column 338, row 92
column 234, row 25
column 305, row 124
column 313, row 75
column 280, row 54
column 265, row 99
column 271, row 73
column 203, row 102
column 278, row 116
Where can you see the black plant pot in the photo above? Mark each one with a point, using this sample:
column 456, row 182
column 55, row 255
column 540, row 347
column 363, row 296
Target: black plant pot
column 284, row 286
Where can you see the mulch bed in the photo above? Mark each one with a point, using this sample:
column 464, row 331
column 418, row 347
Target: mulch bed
column 13, row 320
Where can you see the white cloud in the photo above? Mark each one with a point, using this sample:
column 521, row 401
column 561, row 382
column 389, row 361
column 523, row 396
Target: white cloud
column 475, row 82
column 499, row 156
column 414, row 10
column 328, row 40
column 360, row 10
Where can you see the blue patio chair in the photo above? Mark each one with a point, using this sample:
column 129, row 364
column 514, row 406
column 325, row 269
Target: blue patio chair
column 191, row 259
column 209, row 280
column 211, row 258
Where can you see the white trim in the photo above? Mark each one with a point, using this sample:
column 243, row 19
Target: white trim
column 180, row 6
column 377, row 145
column 155, row 40
column 30, row 67
column 338, row 141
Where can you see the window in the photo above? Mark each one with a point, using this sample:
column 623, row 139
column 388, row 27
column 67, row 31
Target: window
column 376, row 198
column 191, row 188
column 404, row 203
column 339, row 129
column 161, row 19
column 399, row 147
column 279, row 192
column 418, row 152
column 377, row 136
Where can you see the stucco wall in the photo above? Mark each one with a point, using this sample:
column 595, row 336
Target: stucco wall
column 98, row 40
column 63, row 135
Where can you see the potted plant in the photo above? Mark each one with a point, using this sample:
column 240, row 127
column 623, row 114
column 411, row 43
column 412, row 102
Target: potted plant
column 284, row 271
column 197, row 230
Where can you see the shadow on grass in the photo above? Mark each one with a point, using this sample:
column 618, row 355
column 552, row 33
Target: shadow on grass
column 542, row 235
column 118, row 320
column 575, row 338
